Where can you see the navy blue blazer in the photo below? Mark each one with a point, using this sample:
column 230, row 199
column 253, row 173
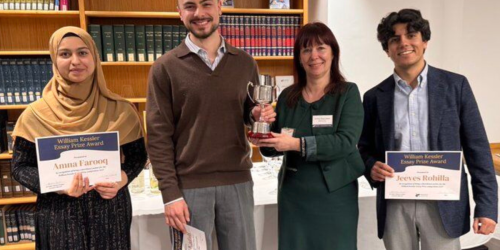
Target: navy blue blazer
column 454, row 124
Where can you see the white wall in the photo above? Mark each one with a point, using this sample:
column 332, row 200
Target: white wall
column 464, row 40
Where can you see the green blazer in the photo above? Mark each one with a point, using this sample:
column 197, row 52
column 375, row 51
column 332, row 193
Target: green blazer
column 334, row 147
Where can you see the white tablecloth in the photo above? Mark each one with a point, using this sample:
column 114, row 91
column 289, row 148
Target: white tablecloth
column 149, row 231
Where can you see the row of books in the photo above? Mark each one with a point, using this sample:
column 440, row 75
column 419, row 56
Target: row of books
column 261, row 35
column 10, row 187
column 17, row 223
column 34, row 5
column 135, row 43
column 23, row 79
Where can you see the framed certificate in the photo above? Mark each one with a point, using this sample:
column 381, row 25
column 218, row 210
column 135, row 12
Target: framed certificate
column 96, row 156
column 434, row 175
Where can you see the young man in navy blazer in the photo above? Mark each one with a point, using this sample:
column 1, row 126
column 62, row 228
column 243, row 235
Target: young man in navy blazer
column 422, row 108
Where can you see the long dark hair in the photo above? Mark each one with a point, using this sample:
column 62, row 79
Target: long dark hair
column 315, row 33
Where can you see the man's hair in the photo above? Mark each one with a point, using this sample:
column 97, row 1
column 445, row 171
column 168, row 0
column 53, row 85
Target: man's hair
column 412, row 17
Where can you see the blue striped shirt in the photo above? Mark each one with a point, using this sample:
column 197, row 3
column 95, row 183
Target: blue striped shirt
column 411, row 114
column 204, row 54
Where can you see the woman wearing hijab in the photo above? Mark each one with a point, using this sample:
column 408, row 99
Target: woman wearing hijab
column 76, row 100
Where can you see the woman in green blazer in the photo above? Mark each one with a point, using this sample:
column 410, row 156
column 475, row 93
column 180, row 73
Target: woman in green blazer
column 318, row 123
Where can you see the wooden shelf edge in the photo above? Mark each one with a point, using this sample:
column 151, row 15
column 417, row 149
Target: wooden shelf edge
column 153, row 14
column 262, row 11
column 257, row 58
column 34, row 13
column 18, row 200
column 495, row 145
column 24, row 106
column 132, row 14
column 24, row 53
column 19, row 246
column 5, row 156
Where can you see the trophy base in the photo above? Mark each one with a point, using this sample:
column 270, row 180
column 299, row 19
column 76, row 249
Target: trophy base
column 260, row 135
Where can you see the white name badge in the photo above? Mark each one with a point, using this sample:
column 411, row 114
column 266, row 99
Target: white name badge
column 287, row 131
column 322, row 121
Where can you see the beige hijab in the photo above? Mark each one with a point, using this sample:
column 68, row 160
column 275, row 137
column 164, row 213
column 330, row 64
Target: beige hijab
column 71, row 108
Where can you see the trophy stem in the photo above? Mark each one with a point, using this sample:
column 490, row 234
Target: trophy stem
column 262, row 106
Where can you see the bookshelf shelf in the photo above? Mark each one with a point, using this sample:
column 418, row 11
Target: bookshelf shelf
column 18, row 246
column 262, row 11
column 257, row 58
column 24, row 106
column 19, row 200
column 35, row 13
column 131, row 14
column 151, row 14
column 5, row 156
column 127, row 63
column 24, row 53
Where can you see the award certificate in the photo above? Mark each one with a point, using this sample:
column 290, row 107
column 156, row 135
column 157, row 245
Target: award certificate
column 433, row 175
column 96, row 156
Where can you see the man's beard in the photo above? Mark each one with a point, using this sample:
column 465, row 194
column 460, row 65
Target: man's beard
column 203, row 36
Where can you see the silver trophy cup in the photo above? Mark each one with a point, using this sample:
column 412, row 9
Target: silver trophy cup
column 263, row 93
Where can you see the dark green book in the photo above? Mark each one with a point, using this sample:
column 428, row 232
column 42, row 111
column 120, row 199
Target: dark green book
column 175, row 35
column 119, row 39
column 2, row 229
column 36, row 78
column 167, row 38
column 95, row 32
column 7, row 82
column 140, row 43
column 3, row 99
column 29, row 80
column 23, row 88
column 108, row 45
column 158, row 41
column 130, row 42
column 150, row 42
column 182, row 33
column 14, row 73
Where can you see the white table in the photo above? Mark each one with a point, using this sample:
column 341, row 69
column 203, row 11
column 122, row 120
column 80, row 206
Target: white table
column 149, row 231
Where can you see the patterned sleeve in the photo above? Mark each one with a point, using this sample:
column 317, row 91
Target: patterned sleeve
column 24, row 164
column 135, row 158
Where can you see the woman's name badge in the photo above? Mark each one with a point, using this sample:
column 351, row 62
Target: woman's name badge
column 322, row 121
column 287, row 131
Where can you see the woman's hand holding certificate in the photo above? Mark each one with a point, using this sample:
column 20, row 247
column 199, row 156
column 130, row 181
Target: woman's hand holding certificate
column 78, row 187
column 108, row 190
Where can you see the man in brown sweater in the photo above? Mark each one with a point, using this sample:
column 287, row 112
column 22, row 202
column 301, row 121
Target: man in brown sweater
column 197, row 108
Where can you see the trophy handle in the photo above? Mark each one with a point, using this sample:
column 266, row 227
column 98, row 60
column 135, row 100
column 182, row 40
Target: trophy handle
column 248, row 93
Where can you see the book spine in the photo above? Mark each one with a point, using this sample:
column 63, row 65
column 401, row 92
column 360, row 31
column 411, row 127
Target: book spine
column 108, row 43
column 57, row 5
column 64, row 5
column 9, row 99
column 158, row 35
column 36, row 78
column 248, row 35
column 140, row 42
column 167, row 38
column 22, row 81
column 2, row 228
column 29, row 80
column 119, row 39
column 3, row 100
column 15, row 81
column 150, row 42
column 130, row 42
column 95, row 33
column 51, row 5
column 175, row 35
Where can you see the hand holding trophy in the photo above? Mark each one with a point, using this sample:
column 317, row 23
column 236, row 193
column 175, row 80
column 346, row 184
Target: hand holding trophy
column 264, row 92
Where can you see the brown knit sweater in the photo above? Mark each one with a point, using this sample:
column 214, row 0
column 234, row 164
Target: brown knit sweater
column 196, row 120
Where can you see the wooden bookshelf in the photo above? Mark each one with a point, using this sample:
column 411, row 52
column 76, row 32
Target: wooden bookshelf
column 18, row 246
column 5, row 156
column 19, row 200
column 495, row 153
column 24, row 53
column 131, row 14
column 35, row 13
